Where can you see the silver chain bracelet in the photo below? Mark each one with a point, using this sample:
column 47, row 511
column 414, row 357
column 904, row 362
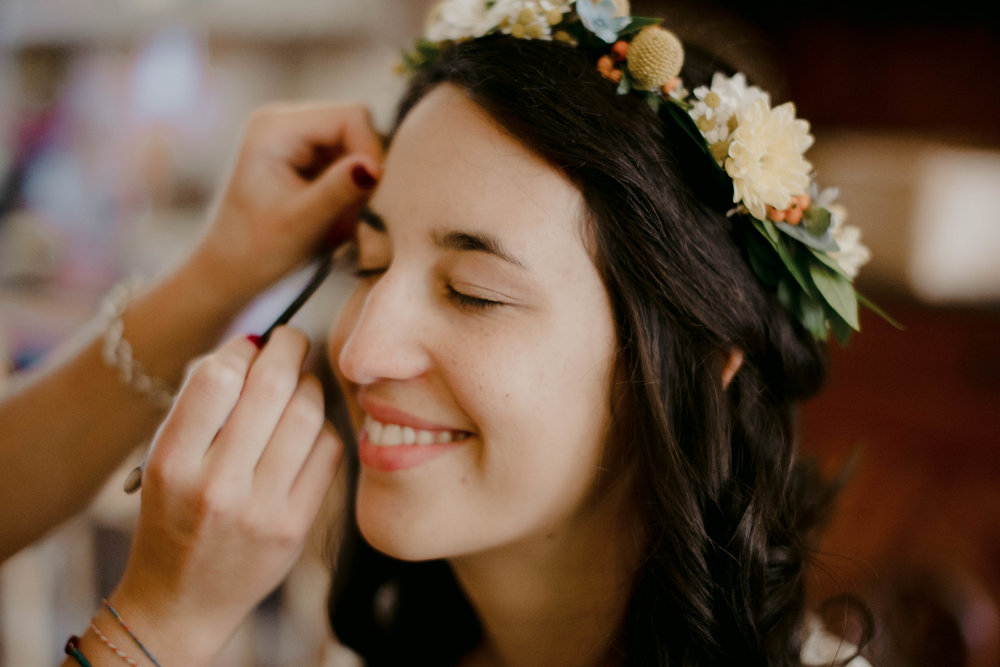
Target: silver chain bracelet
column 117, row 351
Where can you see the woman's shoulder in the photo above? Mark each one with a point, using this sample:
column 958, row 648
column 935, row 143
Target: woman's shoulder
column 821, row 647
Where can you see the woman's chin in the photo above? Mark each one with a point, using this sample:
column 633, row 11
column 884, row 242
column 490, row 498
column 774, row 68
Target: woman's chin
column 393, row 531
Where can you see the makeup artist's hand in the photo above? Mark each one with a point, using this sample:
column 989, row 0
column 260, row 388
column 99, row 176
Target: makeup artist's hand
column 235, row 478
column 300, row 176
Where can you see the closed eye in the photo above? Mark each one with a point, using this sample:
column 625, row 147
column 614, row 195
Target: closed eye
column 471, row 302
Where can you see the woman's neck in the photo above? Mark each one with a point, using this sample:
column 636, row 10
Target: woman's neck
column 558, row 599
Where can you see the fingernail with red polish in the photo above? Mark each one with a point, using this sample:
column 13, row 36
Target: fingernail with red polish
column 362, row 177
column 339, row 232
column 256, row 340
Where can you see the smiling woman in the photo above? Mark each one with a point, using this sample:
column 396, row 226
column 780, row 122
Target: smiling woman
column 467, row 323
column 550, row 284
column 588, row 305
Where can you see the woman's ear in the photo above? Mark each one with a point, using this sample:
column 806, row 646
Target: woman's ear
column 733, row 363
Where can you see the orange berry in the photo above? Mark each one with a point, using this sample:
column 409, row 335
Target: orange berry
column 615, row 75
column 605, row 65
column 793, row 216
column 620, row 50
column 774, row 214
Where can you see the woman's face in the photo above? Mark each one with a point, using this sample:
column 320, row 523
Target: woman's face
column 480, row 337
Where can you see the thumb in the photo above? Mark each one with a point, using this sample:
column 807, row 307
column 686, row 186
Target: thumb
column 341, row 189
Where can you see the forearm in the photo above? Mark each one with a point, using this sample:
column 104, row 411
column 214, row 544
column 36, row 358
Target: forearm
column 66, row 427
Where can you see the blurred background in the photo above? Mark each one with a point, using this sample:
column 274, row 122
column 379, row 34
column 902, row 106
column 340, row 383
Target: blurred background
column 117, row 122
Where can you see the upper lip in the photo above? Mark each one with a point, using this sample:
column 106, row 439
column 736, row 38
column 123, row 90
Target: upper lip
column 389, row 414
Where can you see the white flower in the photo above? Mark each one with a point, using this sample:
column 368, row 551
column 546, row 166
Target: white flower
column 735, row 92
column 458, row 19
column 765, row 157
column 715, row 108
column 852, row 254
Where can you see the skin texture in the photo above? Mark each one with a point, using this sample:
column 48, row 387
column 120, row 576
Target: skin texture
column 514, row 506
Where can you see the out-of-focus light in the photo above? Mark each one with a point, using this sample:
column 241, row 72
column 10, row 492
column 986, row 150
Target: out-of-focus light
column 167, row 76
column 956, row 226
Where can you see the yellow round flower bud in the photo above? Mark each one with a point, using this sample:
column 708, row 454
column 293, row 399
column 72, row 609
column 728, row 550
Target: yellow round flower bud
column 655, row 57
column 554, row 17
column 526, row 16
column 518, row 30
column 713, row 100
column 534, row 31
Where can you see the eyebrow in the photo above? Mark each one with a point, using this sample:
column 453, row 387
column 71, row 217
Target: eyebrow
column 453, row 240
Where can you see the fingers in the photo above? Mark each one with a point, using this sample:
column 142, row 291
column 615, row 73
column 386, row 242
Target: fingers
column 313, row 136
column 270, row 385
column 317, row 472
column 302, row 429
column 344, row 128
column 338, row 193
column 209, row 394
column 335, row 152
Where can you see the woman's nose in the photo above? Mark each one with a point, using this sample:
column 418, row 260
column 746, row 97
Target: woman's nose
column 387, row 340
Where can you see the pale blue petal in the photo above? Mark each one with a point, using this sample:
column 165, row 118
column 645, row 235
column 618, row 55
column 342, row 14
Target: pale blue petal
column 600, row 19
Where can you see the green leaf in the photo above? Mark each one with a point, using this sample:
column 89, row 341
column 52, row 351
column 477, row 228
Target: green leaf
column 625, row 85
column 801, row 277
column 817, row 220
column 768, row 230
column 837, row 291
column 828, row 261
column 813, row 316
column 787, row 297
column 686, row 123
column 800, row 233
column 763, row 260
column 878, row 311
column 638, row 23
column 841, row 329
column 653, row 99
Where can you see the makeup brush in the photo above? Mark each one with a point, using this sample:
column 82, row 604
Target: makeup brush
column 134, row 480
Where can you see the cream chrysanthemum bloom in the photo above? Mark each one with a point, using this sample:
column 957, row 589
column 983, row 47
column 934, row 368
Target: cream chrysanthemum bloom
column 766, row 159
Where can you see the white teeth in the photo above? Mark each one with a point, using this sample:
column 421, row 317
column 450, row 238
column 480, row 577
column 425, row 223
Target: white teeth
column 392, row 434
column 374, row 430
column 389, row 435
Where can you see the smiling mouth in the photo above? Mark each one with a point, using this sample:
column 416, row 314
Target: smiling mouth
column 392, row 435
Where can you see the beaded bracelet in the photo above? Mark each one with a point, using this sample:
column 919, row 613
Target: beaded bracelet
column 114, row 647
column 117, row 352
column 73, row 650
column 131, row 634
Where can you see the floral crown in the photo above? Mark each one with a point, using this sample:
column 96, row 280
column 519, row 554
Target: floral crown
column 797, row 243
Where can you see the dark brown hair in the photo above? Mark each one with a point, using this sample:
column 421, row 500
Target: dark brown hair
column 728, row 510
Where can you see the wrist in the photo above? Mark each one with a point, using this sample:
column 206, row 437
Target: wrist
column 159, row 633
column 216, row 283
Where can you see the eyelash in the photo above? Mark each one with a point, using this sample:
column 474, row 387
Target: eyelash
column 471, row 302
column 460, row 299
